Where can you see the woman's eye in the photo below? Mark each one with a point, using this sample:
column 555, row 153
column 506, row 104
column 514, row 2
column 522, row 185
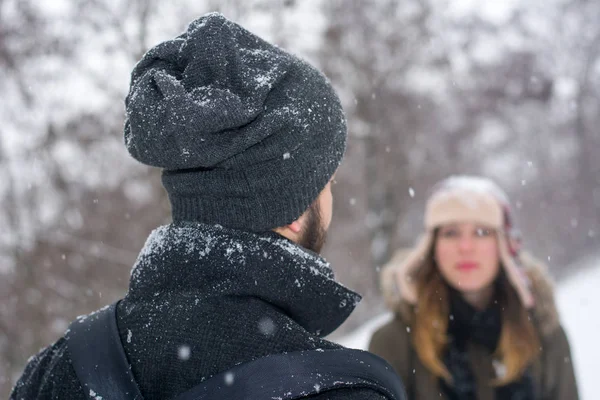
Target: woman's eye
column 482, row 232
column 450, row 233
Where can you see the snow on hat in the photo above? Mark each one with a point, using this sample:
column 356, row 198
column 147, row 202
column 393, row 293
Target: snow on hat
column 247, row 134
column 454, row 200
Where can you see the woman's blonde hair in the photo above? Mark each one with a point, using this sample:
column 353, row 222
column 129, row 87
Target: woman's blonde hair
column 519, row 343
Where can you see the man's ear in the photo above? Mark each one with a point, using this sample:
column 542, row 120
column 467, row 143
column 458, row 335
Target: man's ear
column 293, row 230
column 295, row 226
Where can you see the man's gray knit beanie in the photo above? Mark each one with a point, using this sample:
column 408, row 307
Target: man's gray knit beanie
column 247, row 134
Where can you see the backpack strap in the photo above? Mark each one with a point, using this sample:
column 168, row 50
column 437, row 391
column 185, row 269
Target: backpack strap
column 98, row 357
column 99, row 360
column 301, row 374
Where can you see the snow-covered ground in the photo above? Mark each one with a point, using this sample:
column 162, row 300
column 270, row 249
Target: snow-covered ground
column 578, row 300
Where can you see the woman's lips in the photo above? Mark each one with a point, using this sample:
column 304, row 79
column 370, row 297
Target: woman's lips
column 467, row 266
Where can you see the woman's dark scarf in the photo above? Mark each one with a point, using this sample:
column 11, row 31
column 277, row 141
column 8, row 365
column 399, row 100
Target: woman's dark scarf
column 467, row 324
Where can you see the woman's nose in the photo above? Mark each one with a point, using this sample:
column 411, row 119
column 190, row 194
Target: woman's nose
column 465, row 243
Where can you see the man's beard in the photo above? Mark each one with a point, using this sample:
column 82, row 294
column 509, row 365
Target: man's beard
column 313, row 235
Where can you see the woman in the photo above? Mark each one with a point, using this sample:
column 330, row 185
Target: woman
column 474, row 318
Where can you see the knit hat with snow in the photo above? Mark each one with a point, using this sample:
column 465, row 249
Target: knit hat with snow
column 454, row 200
column 247, row 134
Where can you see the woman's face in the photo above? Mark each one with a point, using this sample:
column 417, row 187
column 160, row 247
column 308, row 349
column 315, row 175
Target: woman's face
column 467, row 256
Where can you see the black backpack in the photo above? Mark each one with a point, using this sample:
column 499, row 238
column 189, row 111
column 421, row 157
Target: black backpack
column 102, row 368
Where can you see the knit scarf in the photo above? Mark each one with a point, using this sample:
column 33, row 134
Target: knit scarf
column 185, row 259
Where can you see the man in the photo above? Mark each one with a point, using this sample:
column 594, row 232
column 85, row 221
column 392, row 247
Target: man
column 249, row 138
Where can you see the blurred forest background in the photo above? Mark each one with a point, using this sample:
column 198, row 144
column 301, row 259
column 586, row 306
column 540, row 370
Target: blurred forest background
column 506, row 89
